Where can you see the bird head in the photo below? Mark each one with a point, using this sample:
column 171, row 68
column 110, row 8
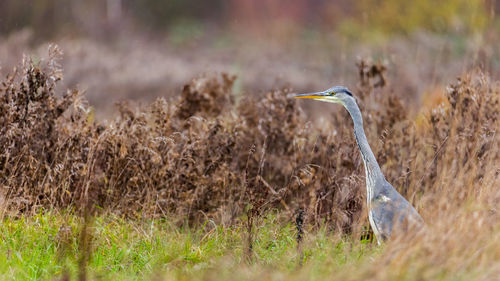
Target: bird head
column 337, row 94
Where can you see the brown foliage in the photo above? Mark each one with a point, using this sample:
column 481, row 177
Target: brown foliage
column 203, row 155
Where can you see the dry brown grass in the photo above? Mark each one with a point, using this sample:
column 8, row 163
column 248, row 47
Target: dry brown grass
column 203, row 155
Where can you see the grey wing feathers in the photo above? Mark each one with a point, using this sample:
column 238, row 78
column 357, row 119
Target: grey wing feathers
column 391, row 210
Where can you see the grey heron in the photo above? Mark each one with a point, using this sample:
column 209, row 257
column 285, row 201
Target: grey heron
column 387, row 209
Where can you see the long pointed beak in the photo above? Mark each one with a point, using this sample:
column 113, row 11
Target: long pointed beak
column 316, row 95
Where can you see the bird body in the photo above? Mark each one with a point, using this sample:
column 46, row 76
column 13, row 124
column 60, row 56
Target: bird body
column 387, row 209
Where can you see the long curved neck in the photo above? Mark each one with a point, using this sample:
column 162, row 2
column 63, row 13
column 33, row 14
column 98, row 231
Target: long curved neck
column 372, row 169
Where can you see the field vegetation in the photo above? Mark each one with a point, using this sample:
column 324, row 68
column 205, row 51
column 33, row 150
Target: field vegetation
column 223, row 176
column 207, row 159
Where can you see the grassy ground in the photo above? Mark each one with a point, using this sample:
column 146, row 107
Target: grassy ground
column 48, row 245
column 209, row 160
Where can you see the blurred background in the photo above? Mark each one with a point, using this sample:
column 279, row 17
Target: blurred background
column 139, row 50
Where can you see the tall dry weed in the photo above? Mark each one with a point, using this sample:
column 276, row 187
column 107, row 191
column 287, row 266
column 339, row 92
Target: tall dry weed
column 203, row 155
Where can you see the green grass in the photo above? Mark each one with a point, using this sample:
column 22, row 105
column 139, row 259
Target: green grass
column 45, row 246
